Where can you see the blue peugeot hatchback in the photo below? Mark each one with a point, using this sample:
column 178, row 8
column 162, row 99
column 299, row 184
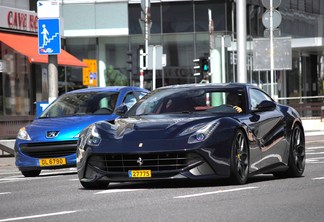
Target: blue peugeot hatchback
column 50, row 141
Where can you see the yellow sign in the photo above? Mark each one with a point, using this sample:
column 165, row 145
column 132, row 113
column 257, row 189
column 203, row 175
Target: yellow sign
column 89, row 74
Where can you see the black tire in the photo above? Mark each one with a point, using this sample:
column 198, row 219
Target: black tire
column 297, row 156
column 95, row 185
column 30, row 173
column 240, row 159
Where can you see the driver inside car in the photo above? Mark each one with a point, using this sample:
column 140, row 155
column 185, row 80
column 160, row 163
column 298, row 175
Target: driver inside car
column 234, row 100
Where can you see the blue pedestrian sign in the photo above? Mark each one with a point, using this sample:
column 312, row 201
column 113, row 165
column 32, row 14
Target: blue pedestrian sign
column 49, row 38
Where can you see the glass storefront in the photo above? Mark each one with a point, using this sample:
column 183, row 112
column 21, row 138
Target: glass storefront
column 15, row 83
column 181, row 28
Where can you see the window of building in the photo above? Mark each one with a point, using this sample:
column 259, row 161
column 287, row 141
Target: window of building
column 179, row 49
column 15, row 83
column 294, row 4
column 171, row 14
column 218, row 15
column 115, row 49
column 134, row 22
column 316, row 6
column 301, row 5
column 81, row 48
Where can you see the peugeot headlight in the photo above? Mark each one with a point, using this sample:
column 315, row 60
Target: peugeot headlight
column 22, row 134
column 93, row 138
column 203, row 133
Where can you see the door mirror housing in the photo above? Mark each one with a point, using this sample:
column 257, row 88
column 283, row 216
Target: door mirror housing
column 121, row 110
column 265, row 105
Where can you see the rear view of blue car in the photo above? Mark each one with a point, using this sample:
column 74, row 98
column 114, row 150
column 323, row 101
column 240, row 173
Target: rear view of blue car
column 50, row 141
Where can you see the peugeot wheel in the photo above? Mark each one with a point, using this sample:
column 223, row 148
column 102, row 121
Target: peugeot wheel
column 30, row 173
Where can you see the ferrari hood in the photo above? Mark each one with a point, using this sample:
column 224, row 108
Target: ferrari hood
column 153, row 127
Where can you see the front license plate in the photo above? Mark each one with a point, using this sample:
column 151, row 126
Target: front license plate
column 52, row 162
column 139, row 173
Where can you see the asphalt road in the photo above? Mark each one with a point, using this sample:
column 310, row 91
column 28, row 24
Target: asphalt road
column 58, row 196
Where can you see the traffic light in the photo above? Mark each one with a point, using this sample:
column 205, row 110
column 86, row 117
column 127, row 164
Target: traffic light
column 129, row 61
column 205, row 64
column 201, row 66
column 197, row 67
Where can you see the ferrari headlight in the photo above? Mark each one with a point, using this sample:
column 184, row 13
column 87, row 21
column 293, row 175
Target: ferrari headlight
column 93, row 138
column 203, row 133
column 22, row 134
column 191, row 129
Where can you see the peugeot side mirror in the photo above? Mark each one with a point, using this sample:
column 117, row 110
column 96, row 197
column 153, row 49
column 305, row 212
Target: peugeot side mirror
column 121, row 110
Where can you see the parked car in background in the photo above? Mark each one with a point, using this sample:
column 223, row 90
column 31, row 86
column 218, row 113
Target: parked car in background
column 200, row 131
column 50, row 141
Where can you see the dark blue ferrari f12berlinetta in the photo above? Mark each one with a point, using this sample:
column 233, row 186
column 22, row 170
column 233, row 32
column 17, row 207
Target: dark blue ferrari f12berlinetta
column 196, row 131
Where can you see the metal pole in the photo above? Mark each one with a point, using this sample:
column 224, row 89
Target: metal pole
column 223, row 59
column 147, row 36
column 300, row 72
column 141, row 68
column 271, row 50
column 154, row 67
column 212, row 71
column 52, row 78
column 241, row 40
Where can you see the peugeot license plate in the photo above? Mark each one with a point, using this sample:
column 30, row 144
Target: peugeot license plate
column 52, row 162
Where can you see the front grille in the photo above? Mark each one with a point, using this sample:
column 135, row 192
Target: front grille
column 119, row 163
column 49, row 150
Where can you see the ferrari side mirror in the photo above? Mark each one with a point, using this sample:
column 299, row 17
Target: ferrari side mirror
column 265, row 105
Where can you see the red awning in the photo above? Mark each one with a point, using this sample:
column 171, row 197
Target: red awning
column 28, row 46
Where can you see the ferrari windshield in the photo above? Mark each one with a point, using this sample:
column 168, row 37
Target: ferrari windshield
column 85, row 103
column 173, row 100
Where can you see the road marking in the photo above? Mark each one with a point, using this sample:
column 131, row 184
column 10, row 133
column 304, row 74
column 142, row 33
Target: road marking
column 315, row 160
column 38, row 216
column 7, row 172
column 11, row 180
column 118, row 191
column 318, row 178
column 57, row 174
column 315, row 148
column 215, row 192
column 314, row 153
column 5, row 193
column 16, row 179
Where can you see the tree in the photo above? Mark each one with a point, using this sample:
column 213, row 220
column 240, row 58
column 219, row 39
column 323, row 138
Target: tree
column 115, row 77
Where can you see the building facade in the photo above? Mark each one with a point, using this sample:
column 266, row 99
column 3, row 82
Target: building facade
column 109, row 31
column 181, row 28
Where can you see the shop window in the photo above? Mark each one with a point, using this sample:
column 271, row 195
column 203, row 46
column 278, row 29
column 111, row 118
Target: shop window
column 70, row 78
column 15, row 83
column 180, row 51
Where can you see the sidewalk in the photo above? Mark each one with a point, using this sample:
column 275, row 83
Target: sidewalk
column 313, row 127
column 6, row 163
